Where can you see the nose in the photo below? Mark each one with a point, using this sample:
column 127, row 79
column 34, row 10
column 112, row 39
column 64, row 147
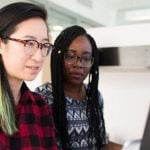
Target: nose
column 37, row 55
column 78, row 62
column 40, row 46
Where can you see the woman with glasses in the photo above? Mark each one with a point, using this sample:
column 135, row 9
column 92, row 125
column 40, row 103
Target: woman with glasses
column 25, row 119
column 77, row 107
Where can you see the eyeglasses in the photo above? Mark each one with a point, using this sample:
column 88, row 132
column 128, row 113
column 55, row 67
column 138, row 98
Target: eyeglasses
column 86, row 61
column 32, row 45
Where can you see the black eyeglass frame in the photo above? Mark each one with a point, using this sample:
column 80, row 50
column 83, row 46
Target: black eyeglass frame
column 80, row 59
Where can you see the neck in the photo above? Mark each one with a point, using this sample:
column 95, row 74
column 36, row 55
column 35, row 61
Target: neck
column 75, row 91
column 15, row 87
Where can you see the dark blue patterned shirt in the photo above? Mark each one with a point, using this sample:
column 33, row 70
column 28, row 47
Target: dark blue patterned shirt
column 78, row 127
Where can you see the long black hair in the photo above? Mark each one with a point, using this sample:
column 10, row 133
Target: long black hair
column 10, row 16
column 94, row 112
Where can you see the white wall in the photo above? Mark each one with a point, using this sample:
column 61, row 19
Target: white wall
column 126, row 101
column 126, row 91
column 99, row 12
column 129, row 35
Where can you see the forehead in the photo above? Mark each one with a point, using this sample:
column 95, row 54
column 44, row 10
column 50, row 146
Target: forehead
column 33, row 26
column 81, row 44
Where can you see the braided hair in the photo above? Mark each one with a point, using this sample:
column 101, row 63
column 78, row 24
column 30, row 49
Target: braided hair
column 95, row 116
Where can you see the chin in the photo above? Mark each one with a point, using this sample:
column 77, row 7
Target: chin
column 77, row 82
column 30, row 78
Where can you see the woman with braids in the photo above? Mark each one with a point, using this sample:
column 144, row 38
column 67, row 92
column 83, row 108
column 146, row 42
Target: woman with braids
column 78, row 107
column 25, row 119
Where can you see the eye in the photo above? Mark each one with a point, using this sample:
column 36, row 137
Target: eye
column 87, row 59
column 71, row 56
column 46, row 45
column 30, row 43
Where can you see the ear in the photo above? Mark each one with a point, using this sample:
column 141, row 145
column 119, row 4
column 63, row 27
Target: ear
column 1, row 45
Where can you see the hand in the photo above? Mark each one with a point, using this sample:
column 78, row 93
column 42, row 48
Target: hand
column 112, row 146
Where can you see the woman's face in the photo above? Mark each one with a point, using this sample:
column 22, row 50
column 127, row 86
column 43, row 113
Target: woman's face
column 76, row 72
column 18, row 63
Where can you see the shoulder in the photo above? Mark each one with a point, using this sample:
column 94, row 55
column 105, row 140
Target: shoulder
column 38, row 100
column 100, row 97
column 46, row 91
column 44, row 87
column 41, row 108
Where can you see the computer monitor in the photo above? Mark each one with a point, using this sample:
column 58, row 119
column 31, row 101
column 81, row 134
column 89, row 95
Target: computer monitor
column 140, row 144
column 145, row 143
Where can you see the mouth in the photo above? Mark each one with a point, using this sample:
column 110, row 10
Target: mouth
column 34, row 68
column 77, row 75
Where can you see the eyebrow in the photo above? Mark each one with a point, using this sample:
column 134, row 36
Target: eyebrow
column 84, row 52
column 34, row 38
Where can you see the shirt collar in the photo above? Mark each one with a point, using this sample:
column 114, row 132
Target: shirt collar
column 26, row 94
